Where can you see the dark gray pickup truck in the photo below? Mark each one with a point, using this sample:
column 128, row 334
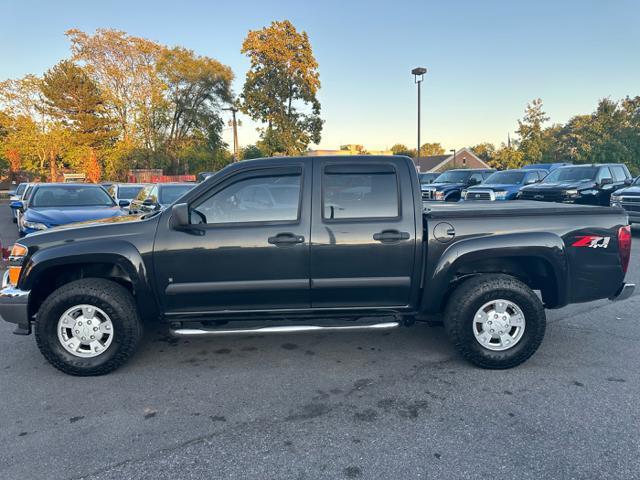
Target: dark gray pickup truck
column 309, row 244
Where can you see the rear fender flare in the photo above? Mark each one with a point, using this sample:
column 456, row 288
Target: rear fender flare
column 543, row 245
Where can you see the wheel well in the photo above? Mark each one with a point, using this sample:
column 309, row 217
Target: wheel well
column 57, row 276
column 535, row 272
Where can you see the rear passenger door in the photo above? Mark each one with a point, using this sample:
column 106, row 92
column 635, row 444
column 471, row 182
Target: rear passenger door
column 363, row 234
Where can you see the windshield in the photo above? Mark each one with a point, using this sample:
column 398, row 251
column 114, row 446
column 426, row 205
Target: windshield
column 127, row 193
column 453, row 177
column 71, row 196
column 427, row 177
column 571, row 174
column 171, row 193
column 510, row 178
column 21, row 188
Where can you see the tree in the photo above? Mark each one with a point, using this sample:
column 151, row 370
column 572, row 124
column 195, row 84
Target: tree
column 93, row 169
column 39, row 139
column 196, row 88
column 400, row 149
column 485, row 151
column 507, row 157
column 280, row 88
column 125, row 68
column 251, row 151
column 530, row 132
column 428, row 149
column 74, row 99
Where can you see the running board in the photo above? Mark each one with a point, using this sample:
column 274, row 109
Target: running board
column 201, row 332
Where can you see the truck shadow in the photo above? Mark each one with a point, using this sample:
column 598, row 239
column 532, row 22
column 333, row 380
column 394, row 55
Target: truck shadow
column 419, row 342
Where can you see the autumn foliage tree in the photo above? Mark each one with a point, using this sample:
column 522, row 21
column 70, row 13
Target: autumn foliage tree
column 281, row 87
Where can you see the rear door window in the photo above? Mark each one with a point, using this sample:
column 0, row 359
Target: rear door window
column 360, row 192
column 619, row 175
column 603, row 173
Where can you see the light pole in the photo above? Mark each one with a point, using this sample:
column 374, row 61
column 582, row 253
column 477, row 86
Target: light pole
column 234, row 124
column 454, row 157
column 418, row 76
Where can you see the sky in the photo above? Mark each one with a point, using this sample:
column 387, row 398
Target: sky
column 485, row 59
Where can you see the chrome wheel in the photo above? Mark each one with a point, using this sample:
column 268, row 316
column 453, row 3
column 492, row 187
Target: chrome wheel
column 498, row 325
column 85, row 331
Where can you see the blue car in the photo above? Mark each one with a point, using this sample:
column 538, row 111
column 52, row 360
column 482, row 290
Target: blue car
column 54, row 204
column 504, row 185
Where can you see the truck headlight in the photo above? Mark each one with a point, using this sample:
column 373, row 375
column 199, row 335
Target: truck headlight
column 615, row 199
column 34, row 225
column 572, row 193
column 500, row 195
column 463, row 194
column 439, row 196
column 16, row 257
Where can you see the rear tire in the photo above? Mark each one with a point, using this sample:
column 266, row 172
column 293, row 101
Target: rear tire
column 522, row 326
column 114, row 326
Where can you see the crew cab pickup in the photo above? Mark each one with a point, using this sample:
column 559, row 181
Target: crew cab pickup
column 312, row 244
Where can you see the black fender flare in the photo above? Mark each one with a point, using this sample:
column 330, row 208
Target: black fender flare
column 546, row 246
column 117, row 252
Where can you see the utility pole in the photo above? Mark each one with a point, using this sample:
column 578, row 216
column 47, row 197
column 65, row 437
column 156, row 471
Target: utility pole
column 234, row 124
column 418, row 76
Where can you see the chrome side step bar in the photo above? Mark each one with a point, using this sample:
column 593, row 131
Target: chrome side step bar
column 201, row 332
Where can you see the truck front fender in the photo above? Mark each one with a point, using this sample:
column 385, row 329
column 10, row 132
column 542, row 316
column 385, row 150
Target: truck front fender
column 491, row 249
column 119, row 253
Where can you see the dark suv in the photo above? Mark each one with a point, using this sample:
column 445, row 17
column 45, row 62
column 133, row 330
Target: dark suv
column 587, row 184
column 448, row 186
column 629, row 199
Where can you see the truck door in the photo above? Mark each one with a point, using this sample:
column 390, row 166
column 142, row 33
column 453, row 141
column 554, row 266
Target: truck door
column 251, row 249
column 363, row 234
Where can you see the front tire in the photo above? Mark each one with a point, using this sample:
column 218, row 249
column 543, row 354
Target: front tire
column 88, row 327
column 495, row 321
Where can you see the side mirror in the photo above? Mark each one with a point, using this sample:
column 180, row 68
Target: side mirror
column 17, row 205
column 473, row 181
column 628, row 182
column 180, row 215
column 606, row 181
column 124, row 203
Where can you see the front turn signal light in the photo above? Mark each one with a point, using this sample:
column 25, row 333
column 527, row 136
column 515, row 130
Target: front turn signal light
column 14, row 275
column 18, row 250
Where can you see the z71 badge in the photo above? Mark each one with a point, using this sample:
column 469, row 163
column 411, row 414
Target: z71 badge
column 591, row 241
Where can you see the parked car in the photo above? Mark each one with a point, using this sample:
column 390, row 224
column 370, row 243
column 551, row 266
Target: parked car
column 587, row 184
column 503, row 185
column 329, row 261
column 123, row 193
column 24, row 201
column 54, row 204
column 449, row 185
column 629, row 199
column 158, row 196
column 549, row 167
column 16, row 195
column 428, row 177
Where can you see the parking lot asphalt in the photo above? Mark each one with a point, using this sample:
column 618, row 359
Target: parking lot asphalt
column 400, row 404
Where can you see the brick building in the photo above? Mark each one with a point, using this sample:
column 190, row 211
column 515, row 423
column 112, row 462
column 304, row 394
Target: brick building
column 464, row 158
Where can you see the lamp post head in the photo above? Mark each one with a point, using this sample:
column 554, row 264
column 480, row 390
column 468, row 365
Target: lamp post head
column 419, row 71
